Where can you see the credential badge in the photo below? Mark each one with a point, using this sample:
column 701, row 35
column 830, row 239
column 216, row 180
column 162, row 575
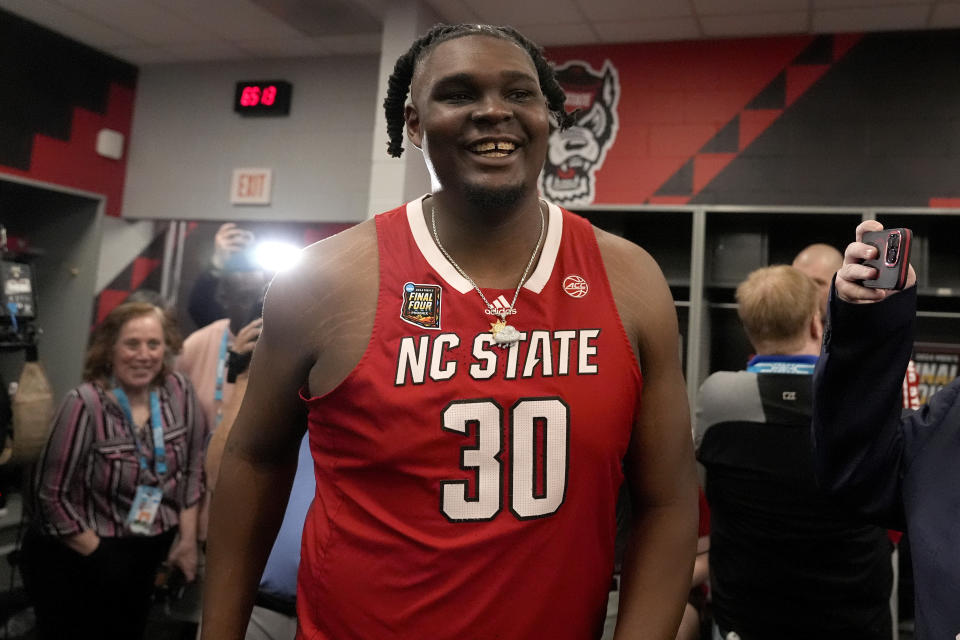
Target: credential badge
column 421, row 305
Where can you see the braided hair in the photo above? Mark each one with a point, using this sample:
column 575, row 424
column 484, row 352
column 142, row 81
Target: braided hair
column 399, row 83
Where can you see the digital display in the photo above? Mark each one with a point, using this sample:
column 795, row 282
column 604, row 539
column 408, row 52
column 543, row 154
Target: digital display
column 16, row 294
column 263, row 98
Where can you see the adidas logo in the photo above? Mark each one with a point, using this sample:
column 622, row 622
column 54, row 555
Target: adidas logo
column 500, row 303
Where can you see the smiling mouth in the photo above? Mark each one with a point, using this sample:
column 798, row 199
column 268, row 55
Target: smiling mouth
column 500, row 149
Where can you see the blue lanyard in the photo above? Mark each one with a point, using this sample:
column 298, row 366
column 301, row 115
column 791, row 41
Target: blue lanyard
column 12, row 309
column 221, row 371
column 797, row 365
column 156, row 426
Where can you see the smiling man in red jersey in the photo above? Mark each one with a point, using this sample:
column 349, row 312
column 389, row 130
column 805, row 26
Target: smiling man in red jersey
column 469, row 369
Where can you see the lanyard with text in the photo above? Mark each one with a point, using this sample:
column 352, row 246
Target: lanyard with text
column 221, row 371
column 156, row 427
column 797, row 365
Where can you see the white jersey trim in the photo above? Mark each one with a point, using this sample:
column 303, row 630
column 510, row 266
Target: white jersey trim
column 551, row 247
column 431, row 253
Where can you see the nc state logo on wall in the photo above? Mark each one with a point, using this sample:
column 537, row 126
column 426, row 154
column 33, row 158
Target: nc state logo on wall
column 574, row 155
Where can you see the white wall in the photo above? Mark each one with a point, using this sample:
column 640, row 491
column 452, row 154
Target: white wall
column 187, row 140
column 394, row 181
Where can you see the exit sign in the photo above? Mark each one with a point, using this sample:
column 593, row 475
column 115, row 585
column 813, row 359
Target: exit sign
column 251, row 186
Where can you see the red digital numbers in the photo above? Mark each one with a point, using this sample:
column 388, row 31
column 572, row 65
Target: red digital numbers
column 269, row 95
column 251, row 97
column 262, row 98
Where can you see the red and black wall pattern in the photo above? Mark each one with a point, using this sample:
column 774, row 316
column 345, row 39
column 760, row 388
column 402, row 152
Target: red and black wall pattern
column 859, row 120
column 57, row 95
column 142, row 273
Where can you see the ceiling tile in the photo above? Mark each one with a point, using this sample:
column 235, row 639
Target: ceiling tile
column 648, row 30
column 146, row 31
column 611, row 10
column 207, row 51
column 315, row 18
column 374, row 8
column 945, row 14
column 524, row 12
column 453, row 11
column 68, row 22
column 147, row 22
column 363, row 43
column 231, row 19
column 146, row 54
column 558, row 35
column 724, row 7
column 284, row 48
column 754, row 24
column 873, row 19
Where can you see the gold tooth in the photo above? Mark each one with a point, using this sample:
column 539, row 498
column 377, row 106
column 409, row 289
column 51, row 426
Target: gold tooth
column 483, row 147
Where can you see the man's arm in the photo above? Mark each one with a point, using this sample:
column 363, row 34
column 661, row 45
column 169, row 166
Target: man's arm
column 317, row 322
column 258, row 463
column 858, row 440
column 658, row 561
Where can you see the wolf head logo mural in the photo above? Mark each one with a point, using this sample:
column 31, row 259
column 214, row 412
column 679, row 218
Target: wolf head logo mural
column 574, row 155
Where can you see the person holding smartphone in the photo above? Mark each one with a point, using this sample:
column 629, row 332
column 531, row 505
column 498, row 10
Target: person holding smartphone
column 208, row 352
column 203, row 305
column 898, row 468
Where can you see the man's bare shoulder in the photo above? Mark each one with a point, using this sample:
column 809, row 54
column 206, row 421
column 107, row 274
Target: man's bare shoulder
column 335, row 278
column 344, row 252
column 330, row 269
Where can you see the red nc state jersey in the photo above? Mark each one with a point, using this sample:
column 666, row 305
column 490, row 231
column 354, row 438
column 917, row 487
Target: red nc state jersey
column 467, row 491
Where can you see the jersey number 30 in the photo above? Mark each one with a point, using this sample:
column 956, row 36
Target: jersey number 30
column 537, row 426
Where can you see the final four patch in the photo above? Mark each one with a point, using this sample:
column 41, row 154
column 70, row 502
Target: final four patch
column 421, row 305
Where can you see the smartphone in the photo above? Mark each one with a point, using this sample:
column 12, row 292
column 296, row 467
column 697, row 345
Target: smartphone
column 893, row 257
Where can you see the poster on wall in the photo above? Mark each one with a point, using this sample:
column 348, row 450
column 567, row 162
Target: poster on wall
column 937, row 365
column 575, row 154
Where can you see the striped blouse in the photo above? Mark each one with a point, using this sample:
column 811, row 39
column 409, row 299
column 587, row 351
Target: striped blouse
column 89, row 469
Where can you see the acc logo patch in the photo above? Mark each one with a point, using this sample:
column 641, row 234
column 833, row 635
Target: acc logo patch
column 421, row 305
column 575, row 286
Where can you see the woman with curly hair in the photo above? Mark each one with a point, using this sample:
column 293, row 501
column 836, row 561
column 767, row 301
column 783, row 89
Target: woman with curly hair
column 119, row 479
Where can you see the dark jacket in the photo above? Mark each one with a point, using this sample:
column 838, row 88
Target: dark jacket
column 897, row 468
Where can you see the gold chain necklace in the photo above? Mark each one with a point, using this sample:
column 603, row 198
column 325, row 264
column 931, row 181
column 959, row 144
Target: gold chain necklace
column 503, row 334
